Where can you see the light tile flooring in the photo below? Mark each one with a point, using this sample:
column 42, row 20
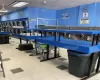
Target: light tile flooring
column 33, row 68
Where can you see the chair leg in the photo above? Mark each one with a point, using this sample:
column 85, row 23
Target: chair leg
column 2, row 66
column 3, row 70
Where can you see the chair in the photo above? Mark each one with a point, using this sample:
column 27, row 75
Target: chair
column 1, row 64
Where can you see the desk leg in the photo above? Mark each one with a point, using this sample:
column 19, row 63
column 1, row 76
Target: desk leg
column 20, row 41
column 26, row 41
column 55, row 52
column 59, row 37
column 34, row 49
column 47, row 55
column 41, row 34
column 97, row 39
column 30, row 33
column 36, row 46
column 93, row 40
column 48, row 52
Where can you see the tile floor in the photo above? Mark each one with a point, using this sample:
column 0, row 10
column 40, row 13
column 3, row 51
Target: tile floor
column 32, row 68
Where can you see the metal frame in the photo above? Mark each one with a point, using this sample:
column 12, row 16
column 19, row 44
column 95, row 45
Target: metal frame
column 37, row 19
column 56, row 55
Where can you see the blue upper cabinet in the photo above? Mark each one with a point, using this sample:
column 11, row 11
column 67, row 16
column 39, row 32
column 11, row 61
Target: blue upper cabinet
column 90, row 11
column 70, row 14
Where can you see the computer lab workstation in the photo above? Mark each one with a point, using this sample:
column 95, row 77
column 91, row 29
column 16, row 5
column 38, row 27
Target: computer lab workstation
column 82, row 46
column 48, row 41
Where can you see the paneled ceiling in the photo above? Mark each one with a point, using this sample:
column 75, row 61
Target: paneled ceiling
column 50, row 4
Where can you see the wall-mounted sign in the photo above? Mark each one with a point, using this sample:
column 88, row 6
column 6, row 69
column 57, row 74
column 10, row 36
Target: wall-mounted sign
column 85, row 12
column 84, row 21
column 85, row 15
column 65, row 15
column 85, row 9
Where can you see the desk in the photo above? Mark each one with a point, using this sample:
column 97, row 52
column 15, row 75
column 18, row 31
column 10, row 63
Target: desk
column 75, row 45
column 89, row 47
column 85, row 32
column 35, row 38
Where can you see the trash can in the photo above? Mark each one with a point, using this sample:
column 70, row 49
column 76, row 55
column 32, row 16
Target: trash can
column 0, row 39
column 3, row 39
column 6, row 39
column 23, row 47
column 79, row 63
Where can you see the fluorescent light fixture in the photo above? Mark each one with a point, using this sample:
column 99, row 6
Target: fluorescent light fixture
column 20, row 4
column 3, row 9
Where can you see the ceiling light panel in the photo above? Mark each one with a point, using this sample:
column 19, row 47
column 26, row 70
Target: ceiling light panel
column 20, row 4
column 3, row 10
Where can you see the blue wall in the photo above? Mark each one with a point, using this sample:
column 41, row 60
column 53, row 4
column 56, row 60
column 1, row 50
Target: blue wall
column 91, row 14
column 47, row 14
column 32, row 13
column 41, row 13
column 97, row 15
column 73, row 16
column 76, row 14
column 22, row 13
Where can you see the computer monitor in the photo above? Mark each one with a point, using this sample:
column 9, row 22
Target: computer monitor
column 6, row 24
column 14, row 23
column 3, row 24
column 11, row 23
column 19, row 23
column 24, row 24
